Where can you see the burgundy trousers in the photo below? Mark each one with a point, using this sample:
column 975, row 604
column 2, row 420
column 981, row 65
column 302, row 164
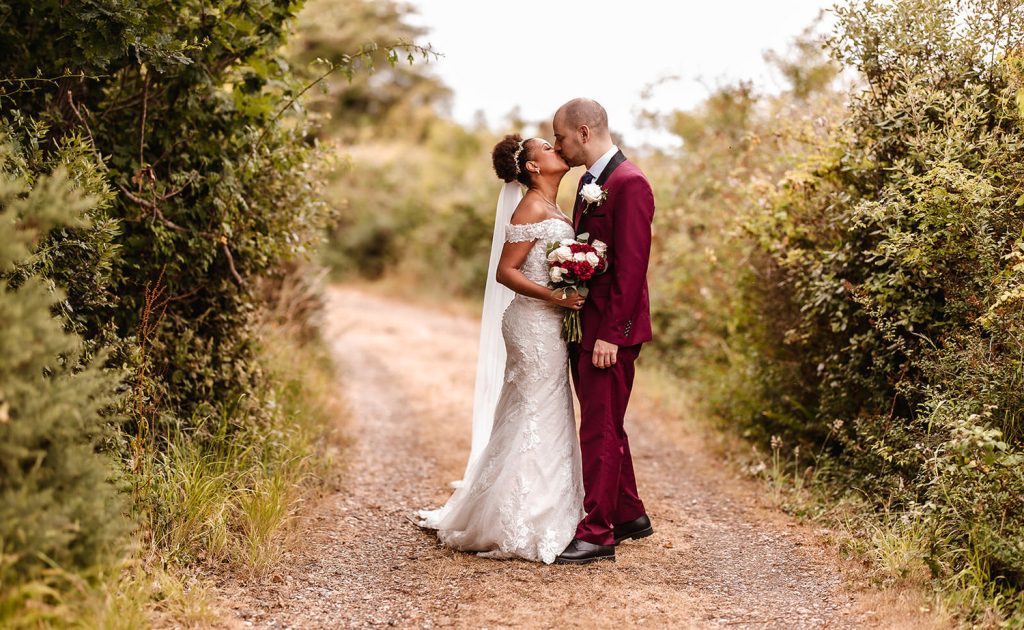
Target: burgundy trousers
column 610, row 485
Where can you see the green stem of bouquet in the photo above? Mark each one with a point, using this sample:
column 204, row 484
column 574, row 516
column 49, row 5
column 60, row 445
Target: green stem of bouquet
column 572, row 330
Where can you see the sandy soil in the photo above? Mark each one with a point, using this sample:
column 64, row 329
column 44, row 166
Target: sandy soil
column 720, row 557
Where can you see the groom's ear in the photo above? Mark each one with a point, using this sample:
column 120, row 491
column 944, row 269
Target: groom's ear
column 584, row 132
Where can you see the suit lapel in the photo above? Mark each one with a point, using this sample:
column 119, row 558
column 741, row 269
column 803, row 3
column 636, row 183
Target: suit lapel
column 613, row 164
column 577, row 212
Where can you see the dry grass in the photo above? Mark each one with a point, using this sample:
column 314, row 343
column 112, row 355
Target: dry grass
column 228, row 509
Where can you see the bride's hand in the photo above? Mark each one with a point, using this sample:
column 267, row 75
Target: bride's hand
column 567, row 299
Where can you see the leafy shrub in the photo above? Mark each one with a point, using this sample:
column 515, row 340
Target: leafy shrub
column 888, row 264
column 181, row 122
column 215, row 181
column 59, row 507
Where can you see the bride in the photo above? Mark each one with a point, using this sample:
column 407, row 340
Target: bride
column 522, row 493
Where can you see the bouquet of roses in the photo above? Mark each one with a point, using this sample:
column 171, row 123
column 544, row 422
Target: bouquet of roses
column 570, row 264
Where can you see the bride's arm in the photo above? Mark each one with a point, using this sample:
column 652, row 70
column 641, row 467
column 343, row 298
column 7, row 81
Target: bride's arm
column 512, row 257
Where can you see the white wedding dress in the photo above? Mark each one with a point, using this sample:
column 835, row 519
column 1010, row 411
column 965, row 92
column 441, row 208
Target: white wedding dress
column 523, row 496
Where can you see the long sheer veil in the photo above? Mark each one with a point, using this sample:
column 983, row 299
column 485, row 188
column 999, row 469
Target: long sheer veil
column 490, row 363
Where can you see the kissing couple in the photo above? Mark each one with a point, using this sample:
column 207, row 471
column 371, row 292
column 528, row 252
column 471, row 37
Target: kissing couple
column 532, row 489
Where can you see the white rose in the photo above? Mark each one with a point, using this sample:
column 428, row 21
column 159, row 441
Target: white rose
column 579, row 256
column 592, row 193
column 553, row 255
column 592, row 258
column 600, row 246
column 566, row 241
column 556, row 274
column 563, row 254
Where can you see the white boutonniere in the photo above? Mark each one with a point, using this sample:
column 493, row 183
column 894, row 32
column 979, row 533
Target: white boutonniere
column 593, row 194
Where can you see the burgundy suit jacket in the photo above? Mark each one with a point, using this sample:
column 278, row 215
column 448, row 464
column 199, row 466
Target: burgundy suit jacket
column 618, row 309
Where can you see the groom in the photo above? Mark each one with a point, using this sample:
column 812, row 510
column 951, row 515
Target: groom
column 616, row 322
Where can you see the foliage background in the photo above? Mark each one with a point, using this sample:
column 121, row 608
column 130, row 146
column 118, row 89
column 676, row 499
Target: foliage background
column 837, row 274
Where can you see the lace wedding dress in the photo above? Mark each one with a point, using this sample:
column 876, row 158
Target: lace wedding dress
column 523, row 496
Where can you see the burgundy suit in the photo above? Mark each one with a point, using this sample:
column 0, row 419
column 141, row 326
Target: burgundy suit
column 617, row 310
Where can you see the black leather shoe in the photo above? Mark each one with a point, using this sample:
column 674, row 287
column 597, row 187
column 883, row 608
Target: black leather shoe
column 635, row 529
column 582, row 552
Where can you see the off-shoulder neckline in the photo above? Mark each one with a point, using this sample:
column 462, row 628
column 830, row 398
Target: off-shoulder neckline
column 565, row 221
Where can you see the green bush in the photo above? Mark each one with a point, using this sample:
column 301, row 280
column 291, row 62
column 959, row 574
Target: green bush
column 59, row 508
column 215, row 180
column 182, row 121
column 886, row 265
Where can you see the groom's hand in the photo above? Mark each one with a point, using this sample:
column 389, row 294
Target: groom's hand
column 604, row 354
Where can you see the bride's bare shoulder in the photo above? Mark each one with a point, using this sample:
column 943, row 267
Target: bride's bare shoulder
column 529, row 210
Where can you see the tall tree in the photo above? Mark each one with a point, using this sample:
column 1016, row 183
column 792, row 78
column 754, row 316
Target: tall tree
column 398, row 99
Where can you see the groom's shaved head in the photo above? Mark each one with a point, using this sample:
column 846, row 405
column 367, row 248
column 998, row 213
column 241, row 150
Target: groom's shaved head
column 584, row 111
column 581, row 131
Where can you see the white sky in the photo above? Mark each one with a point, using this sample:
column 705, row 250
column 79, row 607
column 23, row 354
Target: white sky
column 537, row 54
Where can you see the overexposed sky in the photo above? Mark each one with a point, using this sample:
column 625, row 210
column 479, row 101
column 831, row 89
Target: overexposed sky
column 537, row 54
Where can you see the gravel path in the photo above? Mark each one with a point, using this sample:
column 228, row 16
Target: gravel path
column 718, row 558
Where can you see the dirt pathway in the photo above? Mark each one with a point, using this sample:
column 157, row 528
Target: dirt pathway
column 717, row 559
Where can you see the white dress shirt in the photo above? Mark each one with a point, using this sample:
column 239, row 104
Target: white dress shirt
column 598, row 167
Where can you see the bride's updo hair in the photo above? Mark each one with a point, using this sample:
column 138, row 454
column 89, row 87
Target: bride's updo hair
column 508, row 166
